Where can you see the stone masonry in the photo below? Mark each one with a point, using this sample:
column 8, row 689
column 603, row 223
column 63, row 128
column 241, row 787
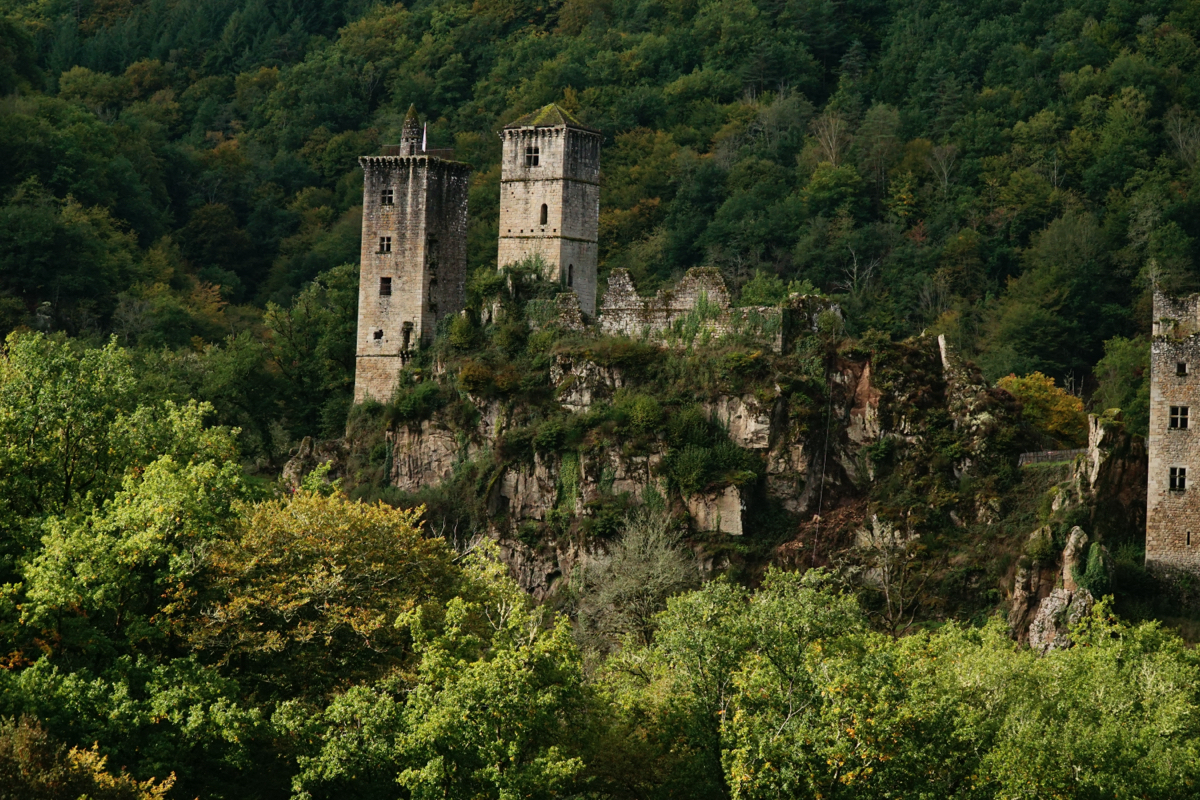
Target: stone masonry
column 414, row 257
column 1173, row 490
column 699, row 305
column 550, row 198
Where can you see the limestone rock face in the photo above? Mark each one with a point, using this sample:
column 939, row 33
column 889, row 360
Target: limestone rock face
column 311, row 454
column 580, row 382
column 717, row 511
column 749, row 424
column 1050, row 629
column 426, row 455
column 1072, row 558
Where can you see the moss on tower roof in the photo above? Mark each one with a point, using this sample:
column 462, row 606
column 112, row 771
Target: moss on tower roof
column 549, row 116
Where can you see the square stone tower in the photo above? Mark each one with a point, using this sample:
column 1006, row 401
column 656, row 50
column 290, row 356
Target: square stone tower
column 550, row 198
column 1173, row 493
column 414, row 256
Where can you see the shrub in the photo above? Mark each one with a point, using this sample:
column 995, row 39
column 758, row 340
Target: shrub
column 475, row 377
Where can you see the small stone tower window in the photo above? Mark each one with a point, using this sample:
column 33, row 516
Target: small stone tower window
column 1178, row 479
column 1189, row 538
column 378, row 335
column 387, row 197
column 385, row 244
column 408, row 328
column 1181, row 368
column 385, row 287
column 570, row 274
column 1179, row 417
column 532, row 154
column 545, row 213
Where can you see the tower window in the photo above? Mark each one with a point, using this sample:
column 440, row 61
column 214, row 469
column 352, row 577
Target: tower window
column 385, row 244
column 545, row 213
column 570, row 274
column 1181, row 368
column 387, row 197
column 378, row 335
column 1189, row 538
column 385, row 287
column 1179, row 417
column 408, row 328
column 532, row 154
column 1178, row 479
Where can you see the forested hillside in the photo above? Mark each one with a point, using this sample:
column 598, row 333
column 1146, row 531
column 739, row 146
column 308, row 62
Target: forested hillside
column 179, row 236
column 1013, row 174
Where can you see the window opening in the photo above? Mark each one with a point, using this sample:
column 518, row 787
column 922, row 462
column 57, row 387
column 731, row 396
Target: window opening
column 1189, row 538
column 385, row 244
column 545, row 213
column 570, row 274
column 1179, row 417
column 378, row 335
column 1181, row 368
column 1178, row 479
column 532, row 155
column 407, row 335
column 388, row 197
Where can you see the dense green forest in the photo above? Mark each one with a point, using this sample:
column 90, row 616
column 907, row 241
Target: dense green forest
column 1016, row 175
column 179, row 232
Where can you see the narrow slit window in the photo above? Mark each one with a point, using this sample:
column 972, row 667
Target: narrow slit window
column 408, row 328
column 1189, row 538
column 1181, row 368
column 532, row 154
column 385, row 244
column 545, row 213
column 570, row 274
column 1178, row 479
column 385, row 287
column 1179, row 417
column 387, row 197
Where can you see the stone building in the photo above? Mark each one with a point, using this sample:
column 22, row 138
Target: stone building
column 414, row 255
column 550, row 198
column 1173, row 493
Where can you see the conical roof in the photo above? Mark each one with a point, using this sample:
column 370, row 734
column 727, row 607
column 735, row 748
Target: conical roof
column 549, row 116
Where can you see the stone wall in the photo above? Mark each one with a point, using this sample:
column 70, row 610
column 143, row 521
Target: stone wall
column 417, row 242
column 1173, row 516
column 566, row 180
column 699, row 307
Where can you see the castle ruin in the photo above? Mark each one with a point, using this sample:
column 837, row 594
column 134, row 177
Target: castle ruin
column 550, row 199
column 414, row 256
column 1172, row 494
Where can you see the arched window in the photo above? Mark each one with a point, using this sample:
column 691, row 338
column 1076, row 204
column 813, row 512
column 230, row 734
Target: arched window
column 570, row 274
column 545, row 213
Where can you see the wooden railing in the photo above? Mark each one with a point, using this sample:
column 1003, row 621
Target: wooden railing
column 1049, row 456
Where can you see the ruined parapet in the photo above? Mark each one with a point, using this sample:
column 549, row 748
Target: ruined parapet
column 1172, row 496
column 699, row 306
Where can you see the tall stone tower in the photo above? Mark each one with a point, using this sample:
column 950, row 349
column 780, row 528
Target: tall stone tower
column 414, row 256
column 550, row 198
column 1173, row 493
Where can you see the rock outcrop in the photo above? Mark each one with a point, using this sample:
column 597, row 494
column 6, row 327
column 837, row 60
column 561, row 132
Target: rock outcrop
column 1056, row 615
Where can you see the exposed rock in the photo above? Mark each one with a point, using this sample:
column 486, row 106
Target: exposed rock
column 310, row 455
column 1032, row 584
column 580, row 382
column 539, row 571
column 749, row 424
column 424, row 456
column 1072, row 558
column 1056, row 615
column 717, row 511
column 527, row 492
column 864, row 426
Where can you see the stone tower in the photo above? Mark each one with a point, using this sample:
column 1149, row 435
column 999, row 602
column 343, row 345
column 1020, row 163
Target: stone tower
column 550, row 198
column 1173, row 493
column 414, row 255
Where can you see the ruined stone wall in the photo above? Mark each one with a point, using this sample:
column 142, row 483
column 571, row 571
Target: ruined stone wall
column 418, row 243
column 698, row 305
column 567, row 181
column 1173, row 516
